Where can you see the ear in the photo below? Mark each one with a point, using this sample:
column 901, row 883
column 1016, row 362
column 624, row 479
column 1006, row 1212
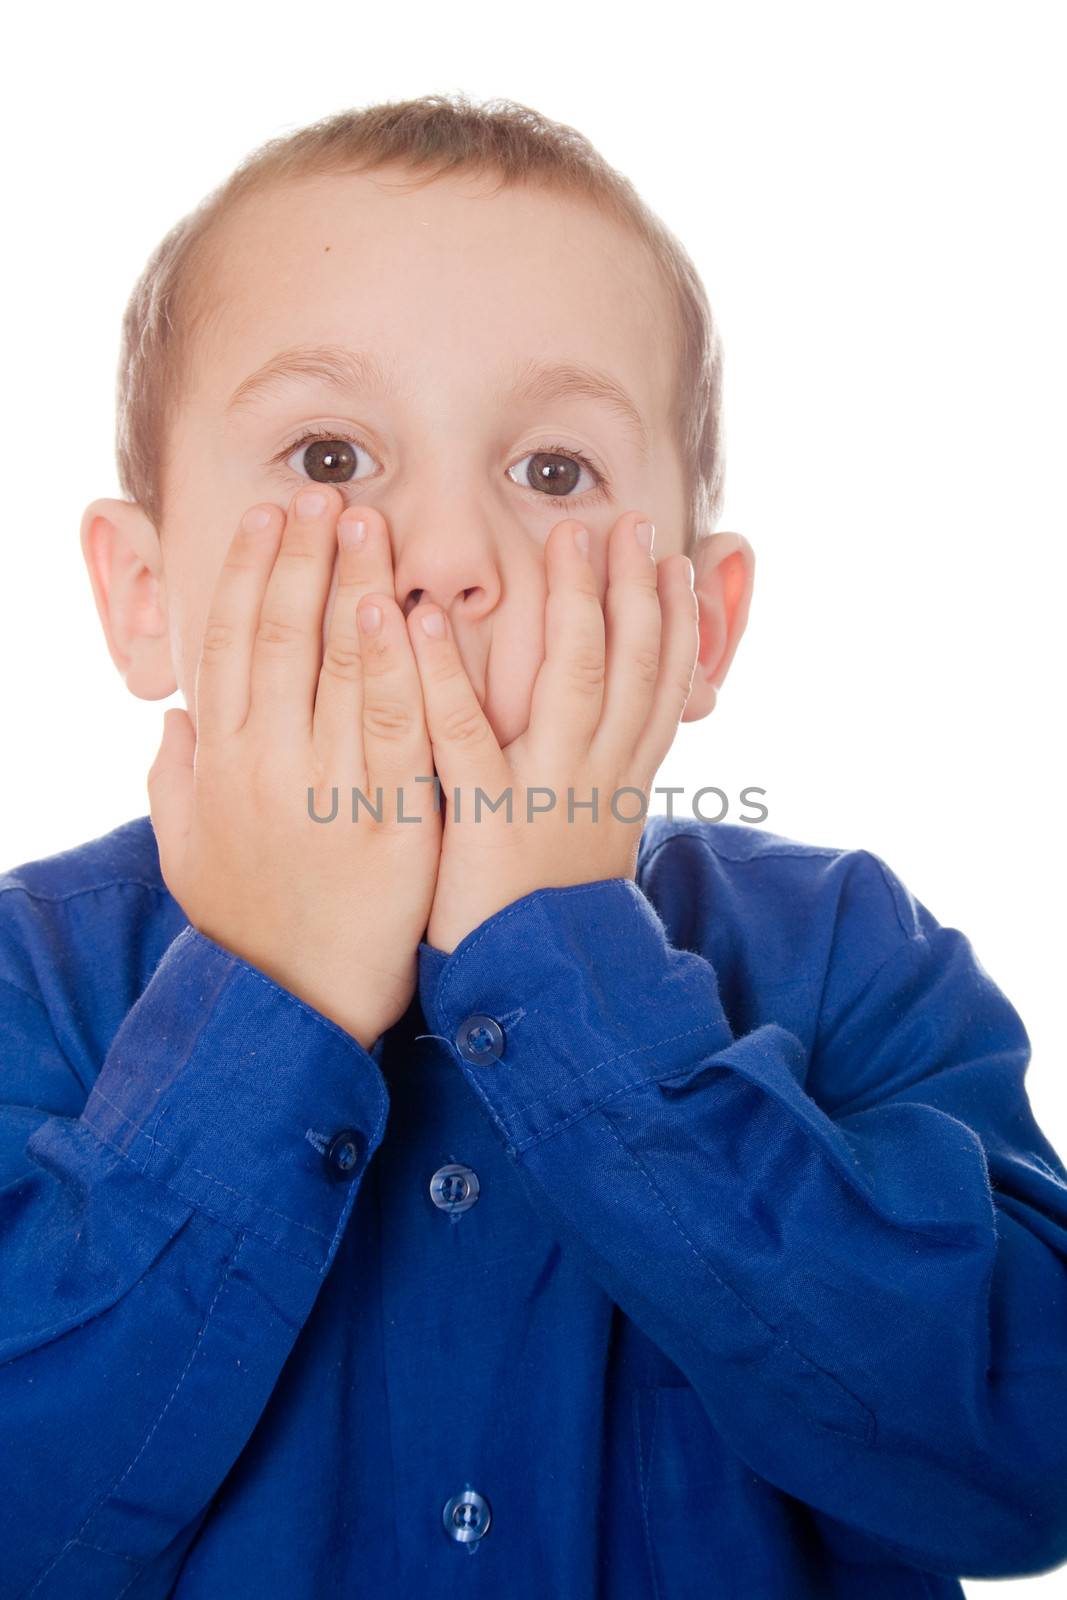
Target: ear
column 724, row 568
column 122, row 553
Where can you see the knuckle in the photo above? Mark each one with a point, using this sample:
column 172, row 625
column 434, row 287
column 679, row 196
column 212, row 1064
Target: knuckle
column 646, row 666
column 243, row 555
column 278, row 631
column 447, row 672
column 350, row 581
column 299, row 541
column 585, row 668
column 387, row 719
column 342, row 658
column 297, row 554
column 218, row 638
column 463, row 725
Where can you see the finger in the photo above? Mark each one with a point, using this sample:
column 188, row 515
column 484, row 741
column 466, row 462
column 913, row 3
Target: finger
column 633, row 623
column 569, row 688
column 170, row 784
column 223, row 674
column 396, row 745
column 465, row 749
column 287, row 651
column 680, row 641
column 364, row 566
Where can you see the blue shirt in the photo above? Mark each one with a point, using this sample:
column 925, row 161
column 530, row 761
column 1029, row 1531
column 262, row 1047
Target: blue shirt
column 688, row 1237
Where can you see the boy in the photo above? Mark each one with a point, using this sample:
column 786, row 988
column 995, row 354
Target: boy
column 644, row 1210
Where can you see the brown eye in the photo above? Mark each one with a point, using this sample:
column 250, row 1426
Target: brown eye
column 326, row 459
column 555, row 474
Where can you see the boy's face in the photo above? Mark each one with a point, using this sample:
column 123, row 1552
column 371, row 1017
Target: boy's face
column 456, row 296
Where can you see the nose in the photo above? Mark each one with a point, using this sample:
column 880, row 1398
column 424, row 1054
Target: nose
column 450, row 560
column 456, row 567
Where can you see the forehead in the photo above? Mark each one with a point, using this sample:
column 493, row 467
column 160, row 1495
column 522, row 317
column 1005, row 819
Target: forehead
column 448, row 284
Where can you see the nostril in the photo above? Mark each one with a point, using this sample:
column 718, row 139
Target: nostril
column 416, row 595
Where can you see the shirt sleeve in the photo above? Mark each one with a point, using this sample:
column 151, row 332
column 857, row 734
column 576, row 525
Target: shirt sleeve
column 867, row 1289
column 162, row 1242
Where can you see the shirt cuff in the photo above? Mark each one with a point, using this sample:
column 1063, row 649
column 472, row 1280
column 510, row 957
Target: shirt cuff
column 231, row 1092
column 567, row 997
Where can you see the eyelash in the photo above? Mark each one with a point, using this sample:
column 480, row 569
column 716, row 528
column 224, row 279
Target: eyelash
column 601, row 483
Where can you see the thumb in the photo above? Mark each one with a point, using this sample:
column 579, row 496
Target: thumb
column 170, row 782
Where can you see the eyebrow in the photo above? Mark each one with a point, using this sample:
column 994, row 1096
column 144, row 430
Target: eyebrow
column 349, row 371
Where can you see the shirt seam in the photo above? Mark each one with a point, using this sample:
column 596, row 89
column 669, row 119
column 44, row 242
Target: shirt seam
column 206, row 1210
column 168, row 1150
column 774, row 851
column 801, row 850
column 90, row 888
column 609, row 1061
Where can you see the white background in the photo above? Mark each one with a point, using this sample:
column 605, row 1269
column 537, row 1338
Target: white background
column 873, row 195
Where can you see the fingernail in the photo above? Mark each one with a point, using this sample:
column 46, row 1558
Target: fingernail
column 581, row 539
column 310, row 503
column 645, row 532
column 369, row 618
column 433, row 623
column 351, row 531
column 256, row 519
column 689, row 572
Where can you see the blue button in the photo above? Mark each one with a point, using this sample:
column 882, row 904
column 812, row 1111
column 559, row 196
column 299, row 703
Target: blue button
column 480, row 1039
column 455, row 1187
column 344, row 1152
column 467, row 1517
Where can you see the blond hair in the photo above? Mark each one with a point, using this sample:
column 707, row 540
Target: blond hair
column 433, row 135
